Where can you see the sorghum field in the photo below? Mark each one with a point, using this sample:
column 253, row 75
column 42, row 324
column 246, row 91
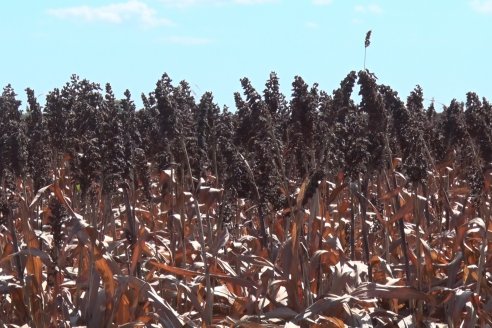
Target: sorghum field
column 318, row 211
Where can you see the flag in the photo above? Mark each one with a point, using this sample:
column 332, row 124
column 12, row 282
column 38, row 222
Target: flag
column 368, row 38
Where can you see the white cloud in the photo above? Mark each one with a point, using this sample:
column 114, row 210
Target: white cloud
column 372, row 8
column 359, row 8
column 113, row 13
column 190, row 3
column 253, row 2
column 321, row 2
column 187, row 40
column 185, row 3
column 482, row 6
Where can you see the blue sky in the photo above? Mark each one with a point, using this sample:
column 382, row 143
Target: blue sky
column 445, row 46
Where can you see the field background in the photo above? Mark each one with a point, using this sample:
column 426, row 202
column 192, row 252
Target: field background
column 320, row 211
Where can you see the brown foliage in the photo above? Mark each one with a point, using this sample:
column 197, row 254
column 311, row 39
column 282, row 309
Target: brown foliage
column 181, row 270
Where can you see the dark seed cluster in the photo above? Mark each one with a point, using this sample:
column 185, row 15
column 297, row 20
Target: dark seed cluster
column 88, row 135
